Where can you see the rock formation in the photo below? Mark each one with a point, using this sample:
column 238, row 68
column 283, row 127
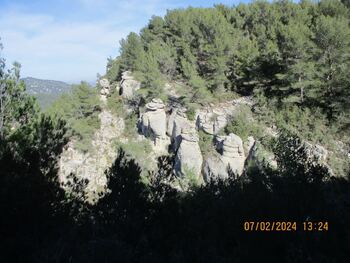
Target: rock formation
column 91, row 166
column 176, row 123
column 215, row 117
column 212, row 120
column 153, row 124
column 105, row 89
column 188, row 157
column 166, row 128
column 128, row 85
column 231, row 158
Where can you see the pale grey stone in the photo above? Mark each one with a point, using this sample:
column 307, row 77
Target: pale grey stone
column 128, row 85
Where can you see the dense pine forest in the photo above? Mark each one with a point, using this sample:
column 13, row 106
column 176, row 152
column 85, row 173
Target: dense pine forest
column 294, row 55
column 291, row 60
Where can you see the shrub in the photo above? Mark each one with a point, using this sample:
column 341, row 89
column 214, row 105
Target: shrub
column 139, row 151
column 205, row 142
column 191, row 112
column 115, row 104
column 244, row 125
column 130, row 129
column 189, row 180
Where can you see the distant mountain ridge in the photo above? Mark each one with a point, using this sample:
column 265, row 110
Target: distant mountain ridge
column 36, row 86
column 46, row 91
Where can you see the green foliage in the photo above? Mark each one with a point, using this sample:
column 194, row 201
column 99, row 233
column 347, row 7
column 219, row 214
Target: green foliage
column 191, row 111
column 80, row 109
column 140, row 152
column 130, row 129
column 157, row 214
column 205, row 142
column 243, row 124
column 113, row 69
column 308, row 125
column 17, row 108
column 151, row 78
column 155, row 223
column 333, row 41
column 115, row 104
column 296, row 53
column 132, row 53
column 293, row 53
column 188, row 181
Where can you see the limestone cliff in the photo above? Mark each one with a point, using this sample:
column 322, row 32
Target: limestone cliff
column 167, row 130
column 92, row 165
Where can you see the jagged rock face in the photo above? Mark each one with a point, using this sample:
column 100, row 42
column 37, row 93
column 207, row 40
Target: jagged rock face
column 91, row 166
column 188, row 157
column 232, row 158
column 105, row 89
column 153, row 124
column 215, row 117
column 104, row 83
column 177, row 123
column 128, row 85
column 212, row 121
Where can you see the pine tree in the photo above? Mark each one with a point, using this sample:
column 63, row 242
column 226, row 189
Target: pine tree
column 297, row 50
column 132, row 53
column 333, row 41
column 17, row 108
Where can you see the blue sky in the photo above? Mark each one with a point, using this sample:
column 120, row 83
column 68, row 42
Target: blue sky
column 70, row 40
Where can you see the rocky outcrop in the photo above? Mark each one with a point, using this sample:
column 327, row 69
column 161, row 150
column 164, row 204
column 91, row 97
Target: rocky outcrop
column 233, row 153
column 231, row 158
column 105, row 89
column 178, row 122
column 212, row 121
column 214, row 118
column 163, row 129
column 188, row 157
column 92, row 166
column 128, row 85
column 104, row 83
column 153, row 124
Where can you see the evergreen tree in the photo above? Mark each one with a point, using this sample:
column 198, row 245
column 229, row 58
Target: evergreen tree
column 297, row 50
column 17, row 108
column 132, row 53
column 332, row 37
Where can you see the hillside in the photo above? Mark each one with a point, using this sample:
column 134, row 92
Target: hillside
column 46, row 91
column 212, row 91
column 216, row 135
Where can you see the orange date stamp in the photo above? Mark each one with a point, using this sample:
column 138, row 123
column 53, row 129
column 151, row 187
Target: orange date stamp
column 284, row 226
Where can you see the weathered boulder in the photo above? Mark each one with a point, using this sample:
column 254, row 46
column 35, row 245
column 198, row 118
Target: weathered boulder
column 178, row 122
column 188, row 157
column 233, row 153
column 214, row 168
column 104, row 83
column 231, row 158
column 153, row 124
column 105, row 89
column 128, row 85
